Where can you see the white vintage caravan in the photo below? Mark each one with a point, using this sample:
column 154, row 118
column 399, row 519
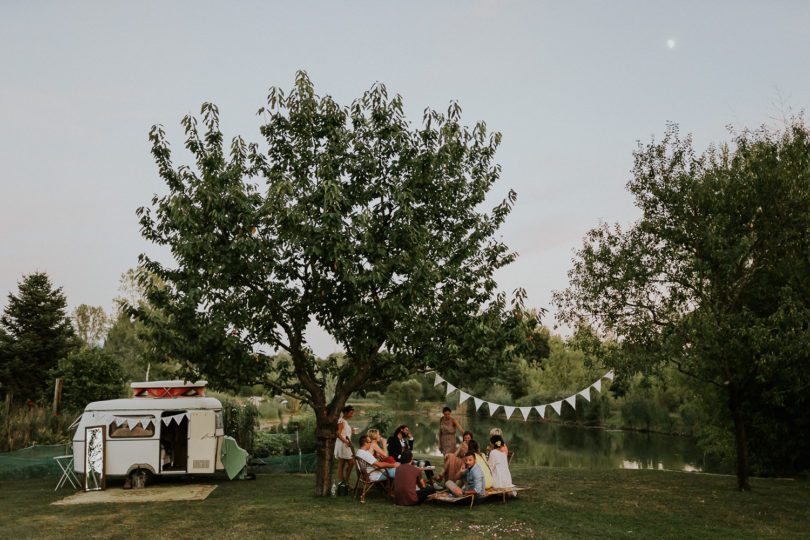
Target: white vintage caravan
column 168, row 428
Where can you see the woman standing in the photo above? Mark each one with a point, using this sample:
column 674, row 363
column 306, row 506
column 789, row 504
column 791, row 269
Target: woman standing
column 448, row 426
column 343, row 445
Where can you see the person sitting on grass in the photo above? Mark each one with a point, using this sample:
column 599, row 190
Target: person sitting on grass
column 376, row 469
column 499, row 463
column 475, row 448
column 473, row 480
column 454, row 462
column 409, row 487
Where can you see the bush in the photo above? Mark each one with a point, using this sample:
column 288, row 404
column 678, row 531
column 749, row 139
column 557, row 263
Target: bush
column 305, row 424
column 272, row 444
column 241, row 422
column 89, row 375
column 382, row 421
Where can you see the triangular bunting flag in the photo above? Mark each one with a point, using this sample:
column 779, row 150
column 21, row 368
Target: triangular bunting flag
column 478, row 403
column 450, row 389
column 597, row 385
column 525, row 412
column 120, row 421
column 541, row 410
column 462, row 396
column 509, row 411
column 586, row 394
column 608, row 375
column 132, row 422
column 166, row 420
column 492, row 408
column 572, row 400
column 439, row 380
column 557, row 406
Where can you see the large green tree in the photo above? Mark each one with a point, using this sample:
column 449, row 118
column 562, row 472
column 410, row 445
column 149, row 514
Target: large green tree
column 346, row 216
column 37, row 334
column 712, row 278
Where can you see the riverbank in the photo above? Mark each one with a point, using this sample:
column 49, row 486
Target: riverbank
column 563, row 503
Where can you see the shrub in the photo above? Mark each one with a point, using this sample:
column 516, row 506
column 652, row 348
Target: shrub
column 241, row 422
column 89, row 375
column 382, row 421
column 305, row 424
column 272, row 444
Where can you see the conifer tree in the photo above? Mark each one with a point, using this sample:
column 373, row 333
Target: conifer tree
column 36, row 334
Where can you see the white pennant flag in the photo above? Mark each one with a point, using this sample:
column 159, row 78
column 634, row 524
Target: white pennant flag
column 525, row 412
column 120, row 421
column 132, row 422
column 557, row 406
column 492, row 408
column 608, row 375
column 450, row 389
column 541, row 410
column 439, row 380
column 597, row 385
column 166, row 420
column 462, row 396
column 586, row 394
column 509, row 411
column 478, row 403
column 572, row 400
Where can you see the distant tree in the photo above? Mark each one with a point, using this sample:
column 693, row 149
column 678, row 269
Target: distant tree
column 91, row 324
column 350, row 218
column 712, row 279
column 129, row 340
column 88, row 374
column 37, row 334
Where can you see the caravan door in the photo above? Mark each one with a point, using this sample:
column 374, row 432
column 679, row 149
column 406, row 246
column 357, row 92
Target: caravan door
column 202, row 442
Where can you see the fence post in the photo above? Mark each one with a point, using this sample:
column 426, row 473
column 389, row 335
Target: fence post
column 57, row 396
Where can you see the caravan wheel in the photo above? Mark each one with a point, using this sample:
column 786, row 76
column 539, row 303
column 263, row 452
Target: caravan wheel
column 139, row 478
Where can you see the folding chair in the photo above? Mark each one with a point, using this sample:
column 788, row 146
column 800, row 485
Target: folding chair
column 365, row 483
column 66, row 465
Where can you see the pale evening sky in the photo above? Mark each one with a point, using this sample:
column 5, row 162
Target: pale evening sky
column 571, row 85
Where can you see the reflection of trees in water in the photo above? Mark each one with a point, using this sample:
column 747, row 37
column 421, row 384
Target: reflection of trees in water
column 555, row 445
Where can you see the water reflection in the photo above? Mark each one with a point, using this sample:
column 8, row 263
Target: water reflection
column 556, row 445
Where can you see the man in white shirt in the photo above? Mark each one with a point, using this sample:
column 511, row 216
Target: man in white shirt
column 370, row 463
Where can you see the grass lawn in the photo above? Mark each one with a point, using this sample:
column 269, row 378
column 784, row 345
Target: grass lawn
column 564, row 503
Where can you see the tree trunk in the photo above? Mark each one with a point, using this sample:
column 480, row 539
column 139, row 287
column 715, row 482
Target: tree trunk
column 741, row 443
column 325, row 434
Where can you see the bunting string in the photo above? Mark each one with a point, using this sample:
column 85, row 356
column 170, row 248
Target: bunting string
column 540, row 409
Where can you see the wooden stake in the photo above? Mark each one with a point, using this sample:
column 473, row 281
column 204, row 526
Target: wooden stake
column 57, row 396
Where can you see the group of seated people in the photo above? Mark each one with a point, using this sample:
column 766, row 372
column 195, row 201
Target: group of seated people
column 468, row 467
column 466, row 470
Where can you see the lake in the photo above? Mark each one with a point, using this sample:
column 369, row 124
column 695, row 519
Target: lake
column 557, row 445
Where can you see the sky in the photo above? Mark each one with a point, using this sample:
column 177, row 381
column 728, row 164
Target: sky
column 572, row 86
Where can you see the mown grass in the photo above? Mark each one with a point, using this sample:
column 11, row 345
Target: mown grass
column 564, row 503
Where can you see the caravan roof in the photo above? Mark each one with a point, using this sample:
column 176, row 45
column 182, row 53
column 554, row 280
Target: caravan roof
column 144, row 404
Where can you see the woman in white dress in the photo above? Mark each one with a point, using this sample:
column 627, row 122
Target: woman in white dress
column 343, row 445
column 499, row 463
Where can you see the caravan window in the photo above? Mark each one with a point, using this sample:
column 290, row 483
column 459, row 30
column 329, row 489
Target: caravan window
column 119, row 427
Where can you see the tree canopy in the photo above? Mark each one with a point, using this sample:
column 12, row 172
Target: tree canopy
column 346, row 216
column 712, row 278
